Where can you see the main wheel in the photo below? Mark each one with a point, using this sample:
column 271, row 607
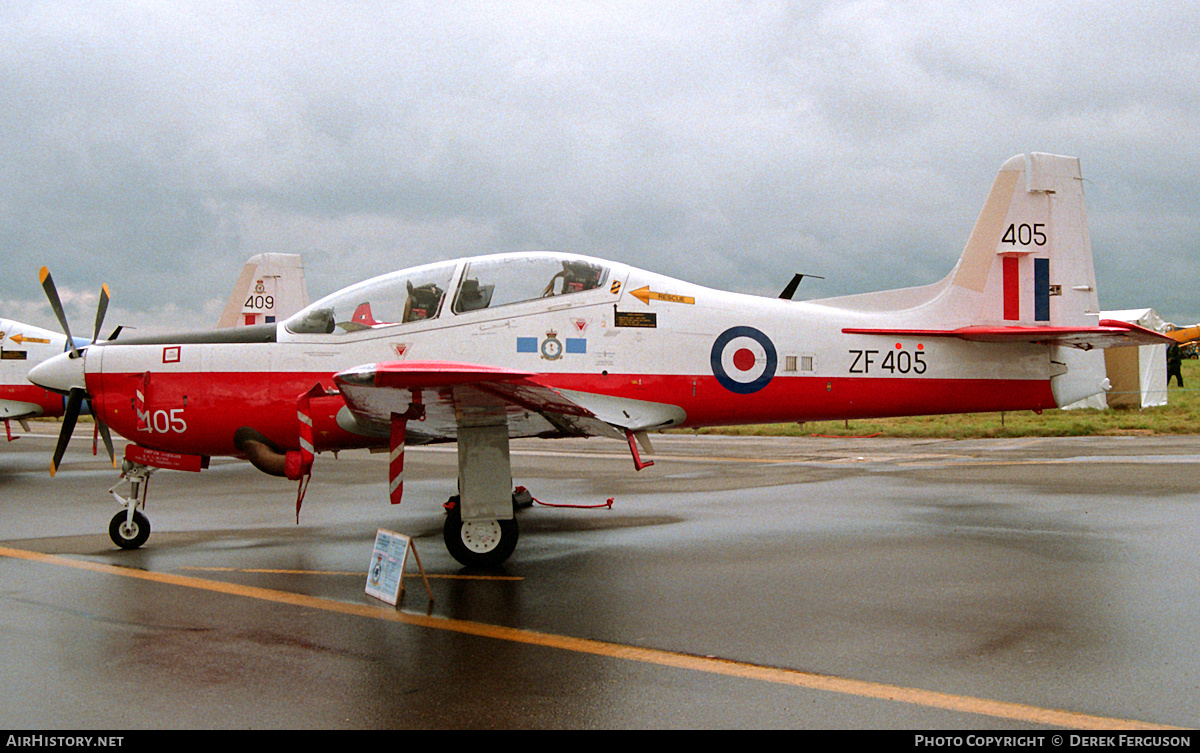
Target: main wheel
column 484, row 543
column 129, row 534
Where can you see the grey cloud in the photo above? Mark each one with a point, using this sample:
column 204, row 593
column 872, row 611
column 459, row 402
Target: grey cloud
column 157, row 146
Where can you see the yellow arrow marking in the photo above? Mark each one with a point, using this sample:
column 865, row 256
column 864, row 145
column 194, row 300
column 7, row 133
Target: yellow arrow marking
column 24, row 339
column 645, row 295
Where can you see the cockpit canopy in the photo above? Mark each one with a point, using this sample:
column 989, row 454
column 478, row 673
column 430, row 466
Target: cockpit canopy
column 421, row 293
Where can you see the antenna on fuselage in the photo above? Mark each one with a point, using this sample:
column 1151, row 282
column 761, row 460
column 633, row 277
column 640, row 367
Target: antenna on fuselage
column 790, row 289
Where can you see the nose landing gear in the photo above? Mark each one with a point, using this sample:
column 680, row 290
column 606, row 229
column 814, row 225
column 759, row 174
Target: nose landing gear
column 129, row 531
column 130, row 527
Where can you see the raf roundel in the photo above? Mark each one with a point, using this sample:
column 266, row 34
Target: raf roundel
column 743, row 360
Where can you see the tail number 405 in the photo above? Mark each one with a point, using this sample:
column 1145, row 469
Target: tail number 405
column 164, row 421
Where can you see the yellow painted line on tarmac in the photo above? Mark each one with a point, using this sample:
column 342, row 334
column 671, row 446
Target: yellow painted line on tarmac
column 358, row 574
column 808, row 680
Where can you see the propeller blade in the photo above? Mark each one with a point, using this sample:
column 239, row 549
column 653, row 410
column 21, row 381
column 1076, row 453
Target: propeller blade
column 56, row 304
column 101, row 308
column 70, row 414
column 106, row 435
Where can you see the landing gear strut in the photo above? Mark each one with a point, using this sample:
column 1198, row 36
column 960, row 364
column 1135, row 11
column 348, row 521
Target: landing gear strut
column 130, row 528
column 480, row 529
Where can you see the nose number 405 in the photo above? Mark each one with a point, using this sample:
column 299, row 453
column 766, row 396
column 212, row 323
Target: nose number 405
column 164, row 421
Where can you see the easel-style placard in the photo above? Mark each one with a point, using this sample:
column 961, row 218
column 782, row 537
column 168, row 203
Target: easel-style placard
column 385, row 573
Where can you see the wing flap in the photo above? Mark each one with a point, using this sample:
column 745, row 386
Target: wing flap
column 1110, row 333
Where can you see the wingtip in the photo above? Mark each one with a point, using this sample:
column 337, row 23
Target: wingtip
column 53, row 469
column 43, row 273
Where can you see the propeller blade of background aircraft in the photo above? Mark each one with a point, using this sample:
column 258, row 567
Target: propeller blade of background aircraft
column 56, row 304
column 70, row 414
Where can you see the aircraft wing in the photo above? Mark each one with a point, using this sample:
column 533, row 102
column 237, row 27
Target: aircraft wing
column 1109, row 334
column 454, row 394
column 17, row 410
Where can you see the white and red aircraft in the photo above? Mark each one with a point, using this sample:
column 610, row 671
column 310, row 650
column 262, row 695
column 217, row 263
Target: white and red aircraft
column 23, row 346
column 483, row 349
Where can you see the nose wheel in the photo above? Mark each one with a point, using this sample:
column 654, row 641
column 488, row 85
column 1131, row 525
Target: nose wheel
column 129, row 531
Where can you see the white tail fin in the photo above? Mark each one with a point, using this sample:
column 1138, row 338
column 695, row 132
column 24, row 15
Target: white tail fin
column 1028, row 261
column 269, row 289
column 1029, row 258
column 1025, row 276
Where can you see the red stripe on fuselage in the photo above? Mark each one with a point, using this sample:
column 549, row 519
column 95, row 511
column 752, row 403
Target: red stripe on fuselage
column 199, row 413
column 797, row 398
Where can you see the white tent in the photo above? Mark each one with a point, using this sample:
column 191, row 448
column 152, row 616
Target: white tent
column 1138, row 374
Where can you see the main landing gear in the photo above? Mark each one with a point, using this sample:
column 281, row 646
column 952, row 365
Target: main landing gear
column 130, row 527
column 482, row 543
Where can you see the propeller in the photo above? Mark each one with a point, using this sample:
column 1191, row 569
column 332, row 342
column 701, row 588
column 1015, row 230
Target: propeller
column 76, row 392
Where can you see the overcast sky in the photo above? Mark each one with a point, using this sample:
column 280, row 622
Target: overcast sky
column 155, row 146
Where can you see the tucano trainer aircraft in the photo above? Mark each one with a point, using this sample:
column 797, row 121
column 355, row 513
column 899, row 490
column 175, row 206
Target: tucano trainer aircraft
column 483, row 349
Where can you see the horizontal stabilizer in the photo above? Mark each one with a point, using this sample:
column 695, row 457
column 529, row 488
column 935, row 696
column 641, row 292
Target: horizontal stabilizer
column 1109, row 334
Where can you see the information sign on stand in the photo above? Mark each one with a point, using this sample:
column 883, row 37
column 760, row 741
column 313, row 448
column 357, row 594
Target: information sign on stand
column 385, row 574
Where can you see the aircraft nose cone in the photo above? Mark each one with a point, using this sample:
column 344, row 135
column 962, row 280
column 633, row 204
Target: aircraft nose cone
column 62, row 373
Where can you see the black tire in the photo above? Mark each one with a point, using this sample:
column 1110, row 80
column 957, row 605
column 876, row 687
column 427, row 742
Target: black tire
column 485, row 545
column 129, row 536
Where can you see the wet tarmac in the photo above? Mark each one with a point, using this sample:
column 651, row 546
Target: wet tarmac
column 737, row 583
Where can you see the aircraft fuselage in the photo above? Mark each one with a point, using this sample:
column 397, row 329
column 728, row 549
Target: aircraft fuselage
column 720, row 358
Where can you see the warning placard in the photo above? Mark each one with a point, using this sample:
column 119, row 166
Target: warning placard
column 635, row 319
column 386, row 571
